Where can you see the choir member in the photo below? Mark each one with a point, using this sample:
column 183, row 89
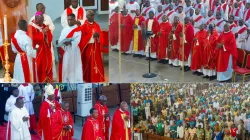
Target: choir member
column 232, row 24
column 180, row 13
column 200, row 5
column 170, row 14
column 198, row 20
column 219, row 23
column 188, row 9
column 132, row 6
column 209, row 19
column 22, row 45
column 75, row 9
column 146, row 9
column 225, row 8
column 159, row 14
column 217, row 8
column 241, row 35
column 237, row 13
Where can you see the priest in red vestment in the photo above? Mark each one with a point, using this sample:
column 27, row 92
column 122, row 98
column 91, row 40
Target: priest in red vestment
column 209, row 53
column 121, row 123
column 138, row 44
column 174, row 42
column 47, row 110
column 227, row 54
column 153, row 26
column 62, row 122
column 103, row 116
column 91, row 129
column 188, row 43
column 41, row 37
column 126, row 32
column 165, row 29
column 113, row 29
column 197, row 49
column 91, row 49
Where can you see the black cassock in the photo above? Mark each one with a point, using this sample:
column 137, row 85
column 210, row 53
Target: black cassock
column 5, row 93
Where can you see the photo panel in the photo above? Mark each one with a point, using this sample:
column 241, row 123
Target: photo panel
column 85, row 111
column 178, row 41
column 54, row 41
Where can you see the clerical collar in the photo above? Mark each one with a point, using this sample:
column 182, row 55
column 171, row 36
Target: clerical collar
column 226, row 32
column 91, row 22
column 121, row 111
column 74, row 8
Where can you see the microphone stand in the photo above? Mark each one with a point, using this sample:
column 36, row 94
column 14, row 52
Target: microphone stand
column 149, row 74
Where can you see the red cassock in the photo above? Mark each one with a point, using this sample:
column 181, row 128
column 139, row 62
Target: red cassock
column 45, row 127
column 60, row 119
column 42, row 64
column 93, row 68
column 209, row 53
column 91, row 130
column 228, row 41
column 197, row 49
column 104, row 123
column 155, row 39
column 189, row 37
column 113, row 29
column 119, row 131
column 126, row 32
column 176, row 42
column 165, row 29
column 137, row 36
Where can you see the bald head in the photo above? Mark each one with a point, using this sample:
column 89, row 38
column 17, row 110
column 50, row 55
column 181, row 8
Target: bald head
column 186, row 20
column 65, row 106
column 90, row 15
column 103, row 100
column 226, row 27
column 124, row 106
column 22, row 24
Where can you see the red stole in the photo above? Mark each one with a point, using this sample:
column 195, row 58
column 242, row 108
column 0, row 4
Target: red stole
column 232, row 26
column 211, row 4
column 198, row 18
column 188, row 10
column 240, row 4
column 24, row 59
column 61, row 52
column 199, row 6
column 166, row 9
column 170, row 13
column 247, row 16
column 210, row 20
column 159, row 16
column 242, row 30
column 224, row 6
column 80, row 13
column 145, row 12
column 218, row 24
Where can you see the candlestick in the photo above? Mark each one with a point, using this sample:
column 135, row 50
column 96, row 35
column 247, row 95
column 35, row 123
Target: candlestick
column 5, row 28
column 7, row 77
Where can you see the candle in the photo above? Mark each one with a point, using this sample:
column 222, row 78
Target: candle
column 5, row 28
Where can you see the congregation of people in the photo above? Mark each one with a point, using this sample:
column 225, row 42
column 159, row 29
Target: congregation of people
column 79, row 47
column 192, row 111
column 201, row 36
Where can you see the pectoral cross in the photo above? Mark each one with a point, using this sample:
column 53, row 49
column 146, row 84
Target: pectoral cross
column 96, row 69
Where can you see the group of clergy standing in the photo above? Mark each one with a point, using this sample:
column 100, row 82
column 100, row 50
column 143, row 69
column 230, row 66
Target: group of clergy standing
column 79, row 48
column 210, row 32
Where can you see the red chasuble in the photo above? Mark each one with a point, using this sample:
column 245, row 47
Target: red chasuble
column 45, row 127
column 24, row 60
column 113, row 29
column 209, row 53
column 91, row 130
column 42, row 64
column 197, row 49
column 60, row 119
column 104, row 123
column 155, row 39
column 61, row 52
column 229, row 43
column 165, row 29
column 119, row 129
column 137, row 36
column 93, row 68
column 126, row 32
column 189, row 37
column 175, row 44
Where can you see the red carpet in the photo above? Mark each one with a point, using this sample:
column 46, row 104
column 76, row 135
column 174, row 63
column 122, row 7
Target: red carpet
column 3, row 133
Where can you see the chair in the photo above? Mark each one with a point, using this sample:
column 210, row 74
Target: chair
column 240, row 60
column 243, row 71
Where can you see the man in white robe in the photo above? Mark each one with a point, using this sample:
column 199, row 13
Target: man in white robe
column 72, row 62
column 209, row 19
column 198, row 20
column 19, row 118
column 22, row 45
column 159, row 14
column 180, row 13
column 146, row 9
column 237, row 12
column 200, row 6
column 241, row 35
column 155, row 3
column 132, row 6
column 219, row 23
column 188, row 9
column 170, row 14
column 75, row 9
column 27, row 92
column 48, row 22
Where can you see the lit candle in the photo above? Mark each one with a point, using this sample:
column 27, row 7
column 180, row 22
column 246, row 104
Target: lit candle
column 5, row 28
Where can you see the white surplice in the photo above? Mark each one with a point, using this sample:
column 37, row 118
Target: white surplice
column 19, row 128
column 220, row 27
column 72, row 62
column 241, row 40
column 48, row 21
column 28, row 93
column 198, row 23
column 64, row 19
column 112, row 6
column 147, row 13
column 25, row 44
column 132, row 6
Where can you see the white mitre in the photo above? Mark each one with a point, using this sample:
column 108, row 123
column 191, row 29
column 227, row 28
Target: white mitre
column 49, row 90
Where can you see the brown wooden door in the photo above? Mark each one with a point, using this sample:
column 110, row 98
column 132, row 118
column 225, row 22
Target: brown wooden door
column 104, row 5
column 15, row 11
column 88, row 3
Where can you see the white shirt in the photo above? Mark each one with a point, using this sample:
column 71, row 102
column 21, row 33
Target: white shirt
column 64, row 20
column 219, row 28
column 180, row 131
column 10, row 103
column 112, row 6
column 134, row 6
